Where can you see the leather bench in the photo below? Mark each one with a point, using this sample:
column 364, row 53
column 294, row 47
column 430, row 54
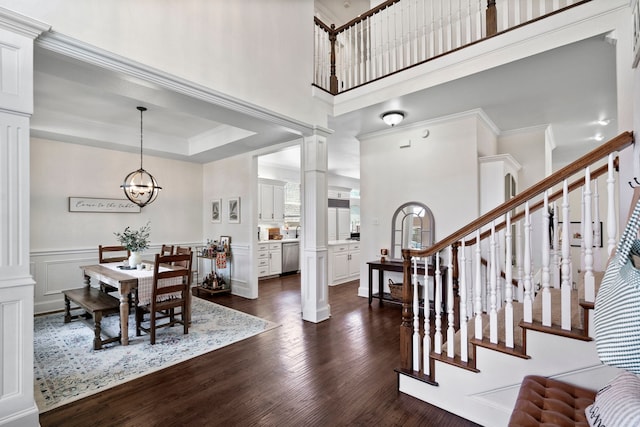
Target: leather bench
column 544, row 401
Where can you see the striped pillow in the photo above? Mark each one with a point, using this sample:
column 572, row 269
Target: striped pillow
column 617, row 403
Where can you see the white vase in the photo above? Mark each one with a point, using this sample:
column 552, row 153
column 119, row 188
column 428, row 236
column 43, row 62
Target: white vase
column 134, row 259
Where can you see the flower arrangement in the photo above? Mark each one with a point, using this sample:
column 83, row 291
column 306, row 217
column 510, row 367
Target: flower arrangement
column 135, row 240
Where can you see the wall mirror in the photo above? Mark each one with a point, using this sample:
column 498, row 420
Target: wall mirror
column 412, row 227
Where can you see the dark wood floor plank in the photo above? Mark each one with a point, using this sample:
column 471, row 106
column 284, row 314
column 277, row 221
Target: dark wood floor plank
column 334, row 373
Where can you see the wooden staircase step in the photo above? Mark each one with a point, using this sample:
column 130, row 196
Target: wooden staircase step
column 574, row 333
column 517, row 350
column 418, row 376
column 455, row 361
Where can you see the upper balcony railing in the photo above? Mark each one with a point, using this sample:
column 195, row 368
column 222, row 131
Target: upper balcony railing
column 399, row 34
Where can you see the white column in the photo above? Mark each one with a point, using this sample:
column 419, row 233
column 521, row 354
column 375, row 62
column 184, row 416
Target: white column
column 315, row 289
column 17, row 404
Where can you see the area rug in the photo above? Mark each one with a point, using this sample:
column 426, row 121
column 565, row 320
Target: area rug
column 66, row 368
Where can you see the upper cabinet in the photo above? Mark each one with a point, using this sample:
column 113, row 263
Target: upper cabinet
column 271, row 200
column 339, row 193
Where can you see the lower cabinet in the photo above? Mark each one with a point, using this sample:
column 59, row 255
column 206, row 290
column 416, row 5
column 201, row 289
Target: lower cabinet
column 344, row 262
column 269, row 258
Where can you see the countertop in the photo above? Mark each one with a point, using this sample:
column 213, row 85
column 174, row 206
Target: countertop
column 279, row 241
column 341, row 242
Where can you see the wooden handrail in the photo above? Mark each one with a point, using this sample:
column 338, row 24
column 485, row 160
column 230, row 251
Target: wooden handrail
column 618, row 143
column 553, row 197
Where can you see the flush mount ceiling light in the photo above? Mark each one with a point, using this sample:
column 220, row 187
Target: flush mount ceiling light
column 392, row 118
column 140, row 186
column 604, row 122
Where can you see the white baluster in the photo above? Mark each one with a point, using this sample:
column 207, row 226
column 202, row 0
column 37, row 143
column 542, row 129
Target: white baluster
column 451, row 329
column 589, row 280
column 556, row 247
column 556, row 5
column 528, row 297
column 440, row 30
column 508, row 294
column 517, row 20
column 529, row 10
column 437, row 301
column 546, row 293
column 611, row 208
column 458, row 26
column 565, row 305
column 464, row 347
column 493, row 313
column 519, row 261
column 479, row 19
column 467, row 24
column 582, row 223
column 478, row 288
column 469, row 283
column 426, row 339
column 416, row 316
column 597, row 230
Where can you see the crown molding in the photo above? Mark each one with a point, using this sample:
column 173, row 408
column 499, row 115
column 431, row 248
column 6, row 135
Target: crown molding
column 21, row 24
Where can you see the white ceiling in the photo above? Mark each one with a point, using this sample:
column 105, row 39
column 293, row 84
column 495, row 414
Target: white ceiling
column 569, row 88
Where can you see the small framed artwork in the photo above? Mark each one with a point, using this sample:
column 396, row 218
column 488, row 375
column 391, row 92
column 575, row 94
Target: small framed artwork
column 225, row 241
column 575, row 234
column 234, row 210
column 216, row 211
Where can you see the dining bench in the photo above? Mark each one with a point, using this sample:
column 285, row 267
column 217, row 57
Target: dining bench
column 96, row 304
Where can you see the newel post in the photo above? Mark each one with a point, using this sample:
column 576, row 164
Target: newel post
column 333, row 79
column 492, row 18
column 406, row 325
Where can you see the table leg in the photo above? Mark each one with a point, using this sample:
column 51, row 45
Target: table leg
column 381, row 284
column 370, row 283
column 124, row 316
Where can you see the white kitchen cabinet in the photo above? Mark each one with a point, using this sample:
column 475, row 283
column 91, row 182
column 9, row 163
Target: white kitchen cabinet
column 344, row 262
column 338, row 223
column 344, row 223
column 269, row 261
column 271, row 201
column 339, row 193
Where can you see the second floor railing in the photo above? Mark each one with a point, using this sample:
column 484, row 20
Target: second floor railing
column 399, row 34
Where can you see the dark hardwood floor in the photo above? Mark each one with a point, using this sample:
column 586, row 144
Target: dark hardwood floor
column 335, row 373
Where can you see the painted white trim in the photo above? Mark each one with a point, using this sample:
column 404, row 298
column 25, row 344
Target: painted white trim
column 89, row 54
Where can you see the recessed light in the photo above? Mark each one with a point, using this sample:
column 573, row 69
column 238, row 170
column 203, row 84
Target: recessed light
column 604, row 122
column 599, row 137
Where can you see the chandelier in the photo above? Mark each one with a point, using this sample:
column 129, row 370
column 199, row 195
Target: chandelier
column 140, row 186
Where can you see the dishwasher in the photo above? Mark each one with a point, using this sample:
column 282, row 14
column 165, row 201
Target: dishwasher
column 290, row 257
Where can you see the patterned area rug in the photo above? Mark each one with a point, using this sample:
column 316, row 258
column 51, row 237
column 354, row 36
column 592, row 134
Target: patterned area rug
column 66, row 368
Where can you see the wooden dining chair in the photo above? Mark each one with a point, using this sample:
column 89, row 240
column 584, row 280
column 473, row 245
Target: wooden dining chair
column 166, row 297
column 108, row 254
column 166, row 250
column 181, row 250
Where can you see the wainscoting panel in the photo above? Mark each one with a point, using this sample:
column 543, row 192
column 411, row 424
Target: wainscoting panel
column 55, row 271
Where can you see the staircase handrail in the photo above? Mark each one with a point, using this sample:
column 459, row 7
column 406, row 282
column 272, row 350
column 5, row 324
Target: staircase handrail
column 618, row 143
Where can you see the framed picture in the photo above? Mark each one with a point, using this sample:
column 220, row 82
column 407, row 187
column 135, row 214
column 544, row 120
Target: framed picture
column 575, row 234
column 225, row 241
column 216, row 211
column 234, row 210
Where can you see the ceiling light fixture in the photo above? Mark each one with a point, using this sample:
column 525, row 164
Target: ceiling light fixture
column 393, row 118
column 140, row 186
column 599, row 137
column 604, row 122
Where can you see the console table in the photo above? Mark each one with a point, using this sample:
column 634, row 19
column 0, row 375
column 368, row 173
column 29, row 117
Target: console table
column 397, row 266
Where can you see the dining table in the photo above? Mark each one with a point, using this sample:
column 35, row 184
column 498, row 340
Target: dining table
column 130, row 282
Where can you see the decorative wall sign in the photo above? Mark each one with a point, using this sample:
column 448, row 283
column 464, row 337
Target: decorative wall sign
column 92, row 204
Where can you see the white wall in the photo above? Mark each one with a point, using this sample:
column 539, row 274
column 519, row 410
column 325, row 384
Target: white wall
column 527, row 146
column 61, row 241
column 260, row 51
column 223, row 179
column 440, row 171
